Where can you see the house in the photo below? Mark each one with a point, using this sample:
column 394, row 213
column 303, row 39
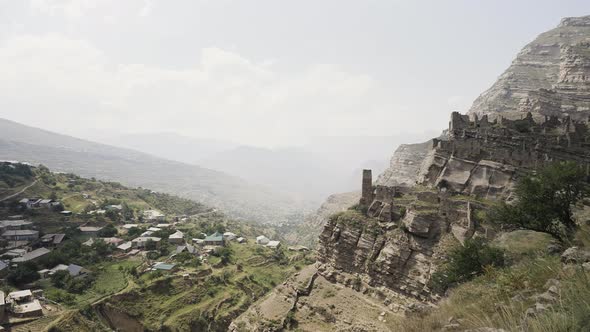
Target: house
column 163, row 225
column 147, row 233
column 163, row 267
column 52, row 240
column 274, row 244
column 13, row 224
column 188, row 248
column 198, row 241
column 215, row 239
column 3, row 270
column 89, row 230
column 154, row 229
column 261, row 239
column 2, row 308
column 115, row 241
column 177, row 237
column 153, row 215
column 117, row 207
column 13, row 253
column 29, row 203
column 229, row 236
column 45, row 203
column 130, row 226
column 125, row 247
column 66, row 213
column 22, row 304
column 76, row 270
column 141, row 241
column 298, row 248
column 21, row 235
column 31, row 255
column 241, row 240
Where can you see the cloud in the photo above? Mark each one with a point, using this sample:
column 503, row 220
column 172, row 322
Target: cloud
column 67, row 84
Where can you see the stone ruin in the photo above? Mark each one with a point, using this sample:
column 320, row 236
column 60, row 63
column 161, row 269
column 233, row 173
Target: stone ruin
column 484, row 158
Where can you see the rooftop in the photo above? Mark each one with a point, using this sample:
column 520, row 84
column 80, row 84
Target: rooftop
column 31, row 255
column 89, row 229
column 163, row 266
column 215, row 237
column 18, row 232
column 20, row 294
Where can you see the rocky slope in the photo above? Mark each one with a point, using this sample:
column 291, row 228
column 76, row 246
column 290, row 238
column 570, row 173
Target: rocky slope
column 549, row 76
column 429, row 199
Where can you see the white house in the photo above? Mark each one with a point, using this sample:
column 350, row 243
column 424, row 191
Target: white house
column 274, row 244
column 229, row 236
column 263, row 240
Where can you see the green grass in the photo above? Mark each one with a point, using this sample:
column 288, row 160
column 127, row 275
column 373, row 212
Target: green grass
column 522, row 243
column 183, row 304
column 111, row 278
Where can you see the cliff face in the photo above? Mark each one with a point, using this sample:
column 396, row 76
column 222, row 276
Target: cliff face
column 548, row 77
column 536, row 113
column 405, row 165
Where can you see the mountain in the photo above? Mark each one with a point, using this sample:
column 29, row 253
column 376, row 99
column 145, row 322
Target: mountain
column 385, row 255
column 548, row 77
column 64, row 153
column 311, row 172
column 171, row 146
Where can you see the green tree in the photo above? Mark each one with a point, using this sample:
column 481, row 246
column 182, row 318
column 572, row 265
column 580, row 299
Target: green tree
column 225, row 254
column 544, row 201
column 23, row 274
column 466, row 262
column 108, row 231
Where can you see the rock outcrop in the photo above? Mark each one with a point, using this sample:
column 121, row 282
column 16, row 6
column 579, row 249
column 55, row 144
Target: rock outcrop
column 548, row 77
column 537, row 112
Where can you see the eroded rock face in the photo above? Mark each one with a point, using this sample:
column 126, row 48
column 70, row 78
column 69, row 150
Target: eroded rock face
column 405, row 165
column 399, row 254
column 548, row 77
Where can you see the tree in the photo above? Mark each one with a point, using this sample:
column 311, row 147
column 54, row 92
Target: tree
column 544, row 201
column 225, row 254
column 108, row 231
column 23, row 274
column 466, row 262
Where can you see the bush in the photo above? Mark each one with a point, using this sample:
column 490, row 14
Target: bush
column 466, row 262
column 544, row 201
column 23, row 274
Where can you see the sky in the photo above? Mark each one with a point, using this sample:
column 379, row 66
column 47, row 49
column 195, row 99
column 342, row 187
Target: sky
column 262, row 72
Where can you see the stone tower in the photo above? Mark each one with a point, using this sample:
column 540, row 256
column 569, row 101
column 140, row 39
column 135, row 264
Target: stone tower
column 367, row 189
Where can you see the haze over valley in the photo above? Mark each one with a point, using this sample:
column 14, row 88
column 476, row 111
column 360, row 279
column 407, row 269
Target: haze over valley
column 270, row 166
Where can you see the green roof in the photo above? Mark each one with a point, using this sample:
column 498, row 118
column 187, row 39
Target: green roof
column 164, row 266
column 214, row 237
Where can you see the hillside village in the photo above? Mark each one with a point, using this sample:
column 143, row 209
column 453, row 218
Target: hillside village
column 63, row 237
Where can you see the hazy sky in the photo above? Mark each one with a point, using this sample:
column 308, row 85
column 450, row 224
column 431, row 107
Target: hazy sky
column 257, row 72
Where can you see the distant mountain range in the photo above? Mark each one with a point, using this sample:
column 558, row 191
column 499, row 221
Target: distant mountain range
column 235, row 196
column 313, row 171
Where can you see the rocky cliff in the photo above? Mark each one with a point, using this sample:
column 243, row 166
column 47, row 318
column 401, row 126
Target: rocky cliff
column 389, row 244
column 536, row 113
column 548, row 77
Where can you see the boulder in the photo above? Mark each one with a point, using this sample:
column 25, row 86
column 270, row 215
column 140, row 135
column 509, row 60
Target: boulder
column 575, row 255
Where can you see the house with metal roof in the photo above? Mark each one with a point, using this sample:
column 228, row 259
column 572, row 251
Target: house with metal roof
column 177, row 237
column 215, row 239
column 31, row 255
column 163, row 266
column 21, row 235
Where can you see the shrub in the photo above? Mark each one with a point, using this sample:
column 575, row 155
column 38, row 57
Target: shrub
column 23, row 274
column 466, row 262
